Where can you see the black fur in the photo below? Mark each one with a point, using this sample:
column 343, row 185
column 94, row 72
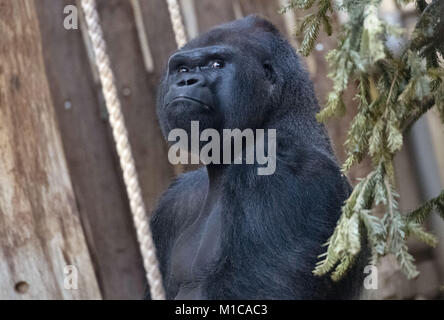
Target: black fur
column 271, row 228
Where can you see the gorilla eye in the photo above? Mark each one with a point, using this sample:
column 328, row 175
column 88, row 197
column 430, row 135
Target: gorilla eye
column 218, row 64
column 183, row 69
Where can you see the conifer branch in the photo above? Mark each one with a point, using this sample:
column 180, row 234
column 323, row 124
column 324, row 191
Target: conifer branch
column 406, row 86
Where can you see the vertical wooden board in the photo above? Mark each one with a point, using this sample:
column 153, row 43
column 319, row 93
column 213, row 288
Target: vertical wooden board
column 266, row 8
column 40, row 231
column 211, row 13
column 160, row 35
column 90, row 153
column 137, row 89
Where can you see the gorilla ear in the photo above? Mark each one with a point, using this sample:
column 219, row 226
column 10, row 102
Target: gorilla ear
column 269, row 72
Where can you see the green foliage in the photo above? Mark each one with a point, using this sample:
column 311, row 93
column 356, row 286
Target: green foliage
column 393, row 92
column 420, row 214
column 312, row 23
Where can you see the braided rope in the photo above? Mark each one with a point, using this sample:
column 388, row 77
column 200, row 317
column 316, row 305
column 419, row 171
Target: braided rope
column 127, row 164
column 176, row 21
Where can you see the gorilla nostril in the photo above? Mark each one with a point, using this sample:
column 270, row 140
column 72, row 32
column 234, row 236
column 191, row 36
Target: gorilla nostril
column 190, row 82
column 187, row 82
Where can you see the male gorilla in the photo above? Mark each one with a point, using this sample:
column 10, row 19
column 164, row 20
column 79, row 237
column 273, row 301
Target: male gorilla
column 223, row 231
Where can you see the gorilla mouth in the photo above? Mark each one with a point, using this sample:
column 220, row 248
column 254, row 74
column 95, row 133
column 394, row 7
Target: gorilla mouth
column 185, row 98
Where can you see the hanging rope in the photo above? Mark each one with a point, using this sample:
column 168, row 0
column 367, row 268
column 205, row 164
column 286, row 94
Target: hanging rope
column 127, row 164
column 176, row 21
column 181, row 40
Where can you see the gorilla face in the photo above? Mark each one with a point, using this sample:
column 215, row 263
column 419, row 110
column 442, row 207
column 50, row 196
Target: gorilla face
column 199, row 85
column 218, row 82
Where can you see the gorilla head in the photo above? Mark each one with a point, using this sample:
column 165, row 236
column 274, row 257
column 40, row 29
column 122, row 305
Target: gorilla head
column 241, row 74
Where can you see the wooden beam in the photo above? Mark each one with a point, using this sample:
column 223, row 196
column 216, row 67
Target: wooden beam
column 40, row 231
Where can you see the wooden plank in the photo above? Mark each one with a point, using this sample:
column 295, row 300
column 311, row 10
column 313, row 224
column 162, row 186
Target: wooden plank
column 266, row 8
column 92, row 162
column 160, row 34
column 138, row 88
column 40, row 231
column 211, row 13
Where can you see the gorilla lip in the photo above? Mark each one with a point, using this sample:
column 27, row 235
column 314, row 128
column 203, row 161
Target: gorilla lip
column 185, row 98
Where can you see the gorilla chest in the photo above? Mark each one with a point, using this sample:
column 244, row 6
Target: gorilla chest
column 198, row 247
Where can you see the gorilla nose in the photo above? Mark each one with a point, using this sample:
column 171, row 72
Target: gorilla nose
column 191, row 80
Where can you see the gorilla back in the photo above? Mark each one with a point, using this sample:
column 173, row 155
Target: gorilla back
column 223, row 231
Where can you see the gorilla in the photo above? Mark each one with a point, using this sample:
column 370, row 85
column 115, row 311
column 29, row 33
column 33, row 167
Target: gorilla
column 223, row 231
